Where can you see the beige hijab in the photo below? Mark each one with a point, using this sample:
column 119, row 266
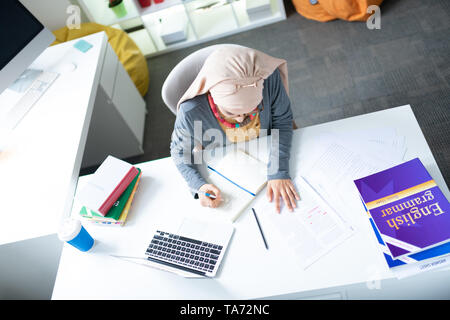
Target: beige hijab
column 234, row 76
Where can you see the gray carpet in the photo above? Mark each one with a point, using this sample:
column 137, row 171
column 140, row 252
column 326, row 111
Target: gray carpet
column 341, row 69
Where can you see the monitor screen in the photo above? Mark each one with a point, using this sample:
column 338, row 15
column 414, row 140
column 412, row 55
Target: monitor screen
column 17, row 28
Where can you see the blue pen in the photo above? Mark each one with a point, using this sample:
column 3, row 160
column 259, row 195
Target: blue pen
column 205, row 193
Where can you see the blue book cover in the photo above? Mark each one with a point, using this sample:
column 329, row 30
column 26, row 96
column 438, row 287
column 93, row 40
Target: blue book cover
column 409, row 211
column 420, row 256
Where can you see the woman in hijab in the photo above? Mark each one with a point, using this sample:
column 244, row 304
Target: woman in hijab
column 239, row 91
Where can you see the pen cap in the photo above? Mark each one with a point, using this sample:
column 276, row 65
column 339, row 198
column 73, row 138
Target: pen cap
column 72, row 232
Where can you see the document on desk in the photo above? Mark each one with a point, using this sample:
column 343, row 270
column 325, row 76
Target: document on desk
column 331, row 169
column 311, row 230
column 384, row 142
column 239, row 177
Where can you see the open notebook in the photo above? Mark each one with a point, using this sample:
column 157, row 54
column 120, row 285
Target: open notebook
column 239, row 177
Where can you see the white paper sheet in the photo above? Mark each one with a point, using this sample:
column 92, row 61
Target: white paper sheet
column 345, row 157
column 380, row 143
column 332, row 170
column 311, row 230
column 247, row 171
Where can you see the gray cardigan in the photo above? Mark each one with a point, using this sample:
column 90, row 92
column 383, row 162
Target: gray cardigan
column 277, row 114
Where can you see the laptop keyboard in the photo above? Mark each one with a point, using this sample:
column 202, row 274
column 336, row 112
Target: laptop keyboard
column 183, row 253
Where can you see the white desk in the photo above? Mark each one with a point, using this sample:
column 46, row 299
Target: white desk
column 38, row 170
column 249, row 270
column 39, row 166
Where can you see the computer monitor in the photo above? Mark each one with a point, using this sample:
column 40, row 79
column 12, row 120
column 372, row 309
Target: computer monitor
column 22, row 39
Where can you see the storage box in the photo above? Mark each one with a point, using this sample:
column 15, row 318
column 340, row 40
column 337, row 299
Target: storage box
column 173, row 29
column 258, row 9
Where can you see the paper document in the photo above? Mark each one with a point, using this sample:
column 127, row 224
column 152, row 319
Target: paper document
column 239, row 178
column 381, row 143
column 333, row 169
column 311, row 230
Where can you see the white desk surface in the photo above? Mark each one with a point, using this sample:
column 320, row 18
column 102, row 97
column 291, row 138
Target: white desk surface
column 249, row 270
column 40, row 163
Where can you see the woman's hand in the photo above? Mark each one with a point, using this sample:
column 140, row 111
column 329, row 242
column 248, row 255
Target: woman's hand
column 206, row 201
column 282, row 188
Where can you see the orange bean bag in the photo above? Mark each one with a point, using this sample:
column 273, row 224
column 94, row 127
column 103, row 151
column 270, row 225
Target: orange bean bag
column 327, row 10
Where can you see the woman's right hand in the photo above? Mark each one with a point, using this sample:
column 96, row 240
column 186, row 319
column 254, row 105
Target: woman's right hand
column 206, row 201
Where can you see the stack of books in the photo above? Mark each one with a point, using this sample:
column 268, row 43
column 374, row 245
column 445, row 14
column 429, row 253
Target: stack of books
column 409, row 215
column 108, row 195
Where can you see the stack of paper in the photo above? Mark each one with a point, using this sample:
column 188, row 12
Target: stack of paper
column 381, row 142
column 324, row 180
column 341, row 158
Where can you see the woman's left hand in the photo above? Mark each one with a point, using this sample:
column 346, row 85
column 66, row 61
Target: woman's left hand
column 282, row 188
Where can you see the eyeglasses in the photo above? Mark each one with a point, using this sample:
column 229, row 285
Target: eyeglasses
column 231, row 88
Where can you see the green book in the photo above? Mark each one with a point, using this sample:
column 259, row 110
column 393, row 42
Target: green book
column 117, row 208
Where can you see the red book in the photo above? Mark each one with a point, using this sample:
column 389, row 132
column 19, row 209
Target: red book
column 107, row 184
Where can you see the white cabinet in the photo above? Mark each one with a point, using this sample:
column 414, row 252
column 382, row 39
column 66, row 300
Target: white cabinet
column 118, row 118
column 129, row 103
column 109, row 70
column 205, row 20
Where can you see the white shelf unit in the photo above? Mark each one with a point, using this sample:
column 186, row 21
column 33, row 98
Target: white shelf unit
column 206, row 20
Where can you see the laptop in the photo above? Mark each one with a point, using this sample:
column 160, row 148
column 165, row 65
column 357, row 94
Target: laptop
column 192, row 248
